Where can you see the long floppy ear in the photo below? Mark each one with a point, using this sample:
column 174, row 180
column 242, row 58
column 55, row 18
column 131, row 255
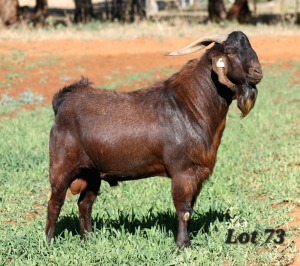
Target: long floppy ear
column 200, row 44
column 220, row 67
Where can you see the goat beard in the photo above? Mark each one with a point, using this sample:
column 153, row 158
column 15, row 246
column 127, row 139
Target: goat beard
column 246, row 97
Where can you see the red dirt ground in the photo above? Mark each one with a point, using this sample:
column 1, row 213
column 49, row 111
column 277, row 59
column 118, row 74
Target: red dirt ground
column 104, row 60
column 100, row 59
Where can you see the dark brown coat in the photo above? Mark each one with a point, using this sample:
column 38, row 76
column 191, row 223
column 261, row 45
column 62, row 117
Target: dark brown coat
column 172, row 129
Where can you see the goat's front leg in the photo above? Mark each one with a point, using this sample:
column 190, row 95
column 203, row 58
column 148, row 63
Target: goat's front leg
column 185, row 189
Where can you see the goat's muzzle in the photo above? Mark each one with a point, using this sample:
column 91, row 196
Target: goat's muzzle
column 255, row 74
column 246, row 97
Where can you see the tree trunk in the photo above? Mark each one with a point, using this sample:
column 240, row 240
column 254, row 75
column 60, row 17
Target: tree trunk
column 240, row 11
column 254, row 8
column 9, row 11
column 83, row 11
column 216, row 10
column 119, row 10
column 40, row 13
column 297, row 20
column 137, row 10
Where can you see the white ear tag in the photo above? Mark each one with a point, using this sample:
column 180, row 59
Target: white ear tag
column 220, row 63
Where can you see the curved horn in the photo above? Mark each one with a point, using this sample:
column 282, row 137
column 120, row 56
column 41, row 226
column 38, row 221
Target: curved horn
column 200, row 44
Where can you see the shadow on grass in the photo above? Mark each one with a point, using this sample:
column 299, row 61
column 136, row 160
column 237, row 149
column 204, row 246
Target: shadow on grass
column 163, row 221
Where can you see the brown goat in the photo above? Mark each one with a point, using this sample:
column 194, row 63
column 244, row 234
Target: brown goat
column 172, row 129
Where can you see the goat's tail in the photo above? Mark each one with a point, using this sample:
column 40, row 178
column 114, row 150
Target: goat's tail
column 62, row 94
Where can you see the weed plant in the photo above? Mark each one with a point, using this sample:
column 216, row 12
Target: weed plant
column 9, row 103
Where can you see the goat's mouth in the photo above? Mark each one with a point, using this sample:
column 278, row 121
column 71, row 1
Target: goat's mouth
column 246, row 97
column 253, row 80
column 255, row 75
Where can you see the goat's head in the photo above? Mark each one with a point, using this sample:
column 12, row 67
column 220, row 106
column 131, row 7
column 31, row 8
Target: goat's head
column 235, row 63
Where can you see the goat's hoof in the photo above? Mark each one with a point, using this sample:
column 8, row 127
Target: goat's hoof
column 183, row 244
column 88, row 234
column 49, row 240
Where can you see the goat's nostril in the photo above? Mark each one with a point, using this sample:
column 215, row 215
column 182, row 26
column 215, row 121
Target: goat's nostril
column 256, row 72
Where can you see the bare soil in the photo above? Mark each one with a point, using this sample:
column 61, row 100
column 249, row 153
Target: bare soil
column 100, row 60
column 104, row 60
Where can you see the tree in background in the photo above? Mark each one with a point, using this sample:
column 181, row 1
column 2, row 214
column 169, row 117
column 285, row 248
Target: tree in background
column 9, row 12
column 40, row 12
column 216, row 10
column 239, row 11
column 83, row 11
column 118, row 10
column 131, row 10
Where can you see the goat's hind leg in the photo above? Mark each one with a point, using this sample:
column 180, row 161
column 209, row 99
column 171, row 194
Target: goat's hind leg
column 55, row 203
column 60, row 178
column 86, row 200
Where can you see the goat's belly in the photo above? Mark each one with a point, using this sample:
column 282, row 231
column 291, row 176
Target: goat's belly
column 120, row 154
column 127, row 169
column 113, row 177
column 126, row 162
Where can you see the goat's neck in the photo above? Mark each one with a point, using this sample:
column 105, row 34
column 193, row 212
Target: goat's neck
column 200, row 93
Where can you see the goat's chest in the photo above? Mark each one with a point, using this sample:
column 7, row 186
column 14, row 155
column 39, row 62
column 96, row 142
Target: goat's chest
column 197, row 147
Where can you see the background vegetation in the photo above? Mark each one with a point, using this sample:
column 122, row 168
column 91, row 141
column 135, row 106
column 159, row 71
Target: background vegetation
column 42, row 13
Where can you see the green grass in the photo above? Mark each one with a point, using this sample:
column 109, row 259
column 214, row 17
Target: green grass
column 135, row 223
column 9, row 104
column 15, row 66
